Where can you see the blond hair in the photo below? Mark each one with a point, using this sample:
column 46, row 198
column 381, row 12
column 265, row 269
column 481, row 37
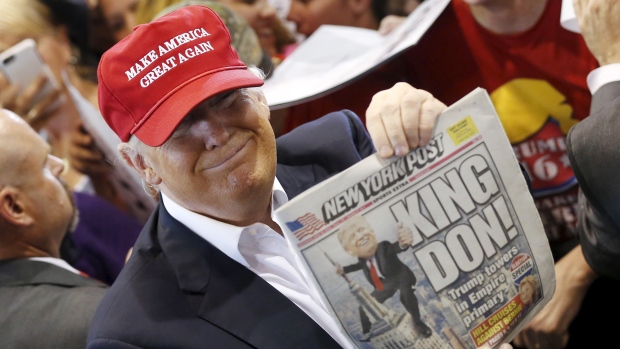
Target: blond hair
column 147, row 10
column 23, row 19
column 529, row 280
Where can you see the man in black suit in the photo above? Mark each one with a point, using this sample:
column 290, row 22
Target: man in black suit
column 382, row 267
column 593, row 143
column 45, row 302
column 211, row 267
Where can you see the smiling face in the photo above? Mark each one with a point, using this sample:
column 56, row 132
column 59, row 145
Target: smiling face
column 527, row 289
column 221, row 160
column 358, row 239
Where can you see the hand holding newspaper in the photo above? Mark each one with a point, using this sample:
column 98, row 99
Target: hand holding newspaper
column 442, row 248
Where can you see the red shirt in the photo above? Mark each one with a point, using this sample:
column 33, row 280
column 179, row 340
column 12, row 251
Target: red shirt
column 537, row 81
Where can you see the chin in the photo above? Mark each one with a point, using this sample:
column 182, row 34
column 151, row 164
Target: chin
column 75, row 220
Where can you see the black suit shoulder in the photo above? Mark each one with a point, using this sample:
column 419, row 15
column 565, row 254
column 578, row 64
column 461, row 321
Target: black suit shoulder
column 320, row 149
column 592, row 146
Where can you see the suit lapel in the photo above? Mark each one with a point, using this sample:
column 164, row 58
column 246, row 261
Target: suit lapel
column 235, row 299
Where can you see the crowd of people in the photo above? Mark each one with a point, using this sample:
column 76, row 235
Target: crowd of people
column 79, row 269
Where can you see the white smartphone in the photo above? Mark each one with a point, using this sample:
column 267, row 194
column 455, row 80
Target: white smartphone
column 22, row 64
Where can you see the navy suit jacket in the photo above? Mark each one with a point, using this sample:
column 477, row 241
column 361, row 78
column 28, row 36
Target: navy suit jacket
column 179, row 291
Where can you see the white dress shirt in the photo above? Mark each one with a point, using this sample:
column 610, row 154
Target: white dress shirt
column 603, row 75
column 267, row 254
column 57, row 262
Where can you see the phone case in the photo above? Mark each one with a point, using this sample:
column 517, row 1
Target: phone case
column 21, row 64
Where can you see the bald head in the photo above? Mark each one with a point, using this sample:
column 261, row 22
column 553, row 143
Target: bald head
column 36, row 209
column 16, row 137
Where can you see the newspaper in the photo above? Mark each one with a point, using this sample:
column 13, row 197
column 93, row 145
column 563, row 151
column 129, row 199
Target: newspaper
column 124, row 179
column 335, row 56
column 457, row 213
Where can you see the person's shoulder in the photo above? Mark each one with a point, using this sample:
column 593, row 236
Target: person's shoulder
column 337, row 121
column 341, row 133
column 132, row 296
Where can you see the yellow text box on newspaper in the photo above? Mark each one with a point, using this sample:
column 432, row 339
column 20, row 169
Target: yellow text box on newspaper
column 496, row 325
column 462, row 130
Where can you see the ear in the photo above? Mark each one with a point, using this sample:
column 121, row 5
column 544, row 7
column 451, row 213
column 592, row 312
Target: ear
column 139, row 164
column 359, row 7
column 13, row 208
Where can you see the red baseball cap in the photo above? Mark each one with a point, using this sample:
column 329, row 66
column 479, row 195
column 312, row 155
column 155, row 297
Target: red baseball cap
column 150, row 80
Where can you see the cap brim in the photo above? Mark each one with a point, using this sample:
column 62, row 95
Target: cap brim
column 159, row 126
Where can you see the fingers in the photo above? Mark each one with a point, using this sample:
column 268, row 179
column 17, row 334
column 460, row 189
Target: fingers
column 389, row 23
column 31, row 91
column 85, row 156
column 23, row 102
column 42, row 112
column 8, row 98
column 533, row 338
column 384, row 122
column 402, row 118
column 518, row 340
column 431, row 108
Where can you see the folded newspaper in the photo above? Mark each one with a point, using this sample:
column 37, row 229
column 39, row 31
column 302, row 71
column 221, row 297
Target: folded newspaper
column 442, row 248
column 124, row 179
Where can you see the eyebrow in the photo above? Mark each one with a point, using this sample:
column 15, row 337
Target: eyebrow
column 219, row 98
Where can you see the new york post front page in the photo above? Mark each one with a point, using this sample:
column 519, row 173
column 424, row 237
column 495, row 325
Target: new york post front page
column 442, row 248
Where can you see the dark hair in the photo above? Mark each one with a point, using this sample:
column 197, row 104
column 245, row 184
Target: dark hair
column 379, row 9
column 74, row 15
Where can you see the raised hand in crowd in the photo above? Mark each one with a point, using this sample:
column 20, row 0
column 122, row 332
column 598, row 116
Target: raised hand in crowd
column 600, row 28
column 23, row 103
column 389, row 23
column 85, row 156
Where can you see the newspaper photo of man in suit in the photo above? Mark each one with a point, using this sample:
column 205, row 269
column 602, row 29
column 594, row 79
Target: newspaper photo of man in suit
column 382, row 268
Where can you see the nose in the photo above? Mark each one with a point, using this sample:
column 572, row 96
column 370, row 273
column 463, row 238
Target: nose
column 55, row 165
column 293, row 12
column 213, row 131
